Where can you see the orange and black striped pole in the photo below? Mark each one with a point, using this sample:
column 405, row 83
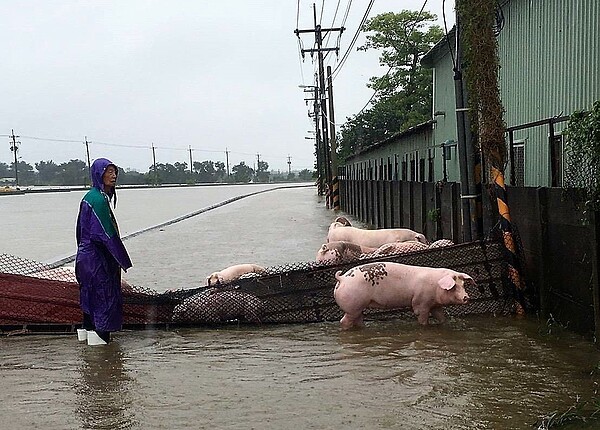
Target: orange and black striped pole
column 475, row 24
column 506, row 228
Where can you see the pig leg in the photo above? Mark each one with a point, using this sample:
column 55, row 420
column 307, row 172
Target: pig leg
column 422, row 315
column 349, row 321
column 438, row 314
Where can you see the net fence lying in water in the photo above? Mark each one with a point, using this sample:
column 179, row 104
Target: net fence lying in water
column 37, row 298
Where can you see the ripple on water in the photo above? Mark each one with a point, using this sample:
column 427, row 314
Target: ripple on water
column 477, row 372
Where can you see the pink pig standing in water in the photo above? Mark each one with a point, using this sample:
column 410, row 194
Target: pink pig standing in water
column 394, row 285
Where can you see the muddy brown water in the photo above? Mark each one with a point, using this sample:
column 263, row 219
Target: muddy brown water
column 476, row 372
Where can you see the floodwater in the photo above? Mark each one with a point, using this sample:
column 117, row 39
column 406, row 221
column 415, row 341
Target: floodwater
column 478, row 372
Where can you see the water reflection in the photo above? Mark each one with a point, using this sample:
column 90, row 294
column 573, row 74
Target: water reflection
column 103, row 389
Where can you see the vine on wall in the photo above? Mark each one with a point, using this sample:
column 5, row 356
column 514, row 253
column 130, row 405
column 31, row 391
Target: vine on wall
column 480, row 50
column 582, row 153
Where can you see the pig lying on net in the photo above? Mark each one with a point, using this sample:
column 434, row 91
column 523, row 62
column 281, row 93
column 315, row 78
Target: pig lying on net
column 232, row 273
column 215, row 305
column 342, row 251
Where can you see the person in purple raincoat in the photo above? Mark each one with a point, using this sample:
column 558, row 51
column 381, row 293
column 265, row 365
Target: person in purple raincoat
column 100, row 257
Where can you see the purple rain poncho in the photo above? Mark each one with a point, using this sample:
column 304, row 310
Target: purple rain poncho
column 100, row 255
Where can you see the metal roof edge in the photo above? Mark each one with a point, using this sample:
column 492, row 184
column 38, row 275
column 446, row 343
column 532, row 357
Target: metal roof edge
column 394, row 136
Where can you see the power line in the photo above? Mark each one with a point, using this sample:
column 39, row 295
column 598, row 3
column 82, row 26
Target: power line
column 354, row 39
column 121, row 145
column 408, row 36
column 52, row 140
column 446, row 32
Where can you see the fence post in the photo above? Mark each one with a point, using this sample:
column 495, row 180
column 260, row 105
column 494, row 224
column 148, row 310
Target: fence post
column 595, row 224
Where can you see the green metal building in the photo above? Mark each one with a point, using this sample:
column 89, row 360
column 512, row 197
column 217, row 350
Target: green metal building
column 549, row 67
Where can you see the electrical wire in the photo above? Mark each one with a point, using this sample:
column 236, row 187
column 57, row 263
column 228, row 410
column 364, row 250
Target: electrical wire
column 354, row 39
column 333, row 26
column 408, row 35
column 322, row 9
column 120, row 145
column 51, row 140
column 447, row 38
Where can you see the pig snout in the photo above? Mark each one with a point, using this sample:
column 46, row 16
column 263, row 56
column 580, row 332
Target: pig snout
column 460, row 292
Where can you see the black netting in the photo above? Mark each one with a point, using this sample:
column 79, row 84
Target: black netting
column 33, row 295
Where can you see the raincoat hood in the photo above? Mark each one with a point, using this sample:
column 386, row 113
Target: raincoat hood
column 98, row 168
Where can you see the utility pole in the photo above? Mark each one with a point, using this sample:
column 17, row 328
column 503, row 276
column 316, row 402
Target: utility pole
column 227, row 161
column 289, row 165
column 318, row 147
column 154, row 164
column 318, row 31
column 470, row 193
column 87, row 150
column 191, row 170
column 14, row 148
column 335, row 190
column 257, row 165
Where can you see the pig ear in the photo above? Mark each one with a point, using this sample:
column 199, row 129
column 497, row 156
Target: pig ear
column 447, row 282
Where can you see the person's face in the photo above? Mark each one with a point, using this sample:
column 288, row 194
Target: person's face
column 109, row 178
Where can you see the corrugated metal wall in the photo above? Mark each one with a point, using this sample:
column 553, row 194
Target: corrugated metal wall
column 550, row 60
column 415, row 145
column 549, row 66
column 445, row 127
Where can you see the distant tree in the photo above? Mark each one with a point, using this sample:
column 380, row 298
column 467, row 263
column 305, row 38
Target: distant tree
column 220, row 171
column 48, row 173
column 74, row 172
column 404, row 95
column 209, row 171
column 242, row 172
column 5, row 171
column 182, row 173
column 167, row 173
column 262, row 172
column 131, row 177
column 153, row 177
column 305, row 175
column 26, row 173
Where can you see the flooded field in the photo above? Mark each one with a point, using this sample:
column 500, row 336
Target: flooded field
column 479, row 372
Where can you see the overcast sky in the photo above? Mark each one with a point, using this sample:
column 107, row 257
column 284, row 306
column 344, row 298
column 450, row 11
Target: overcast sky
column 213, row 75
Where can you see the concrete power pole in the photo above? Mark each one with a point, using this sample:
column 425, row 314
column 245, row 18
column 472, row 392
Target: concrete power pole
column 321, row 93
column 154, row 164
column 257, row 166
column 87, row 150
column 14, row 148
column 318, row 145
column 227, row 162
column 335, row 190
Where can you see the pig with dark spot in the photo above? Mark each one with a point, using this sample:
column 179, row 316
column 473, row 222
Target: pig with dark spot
column 343, row 220
column 392, row 285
